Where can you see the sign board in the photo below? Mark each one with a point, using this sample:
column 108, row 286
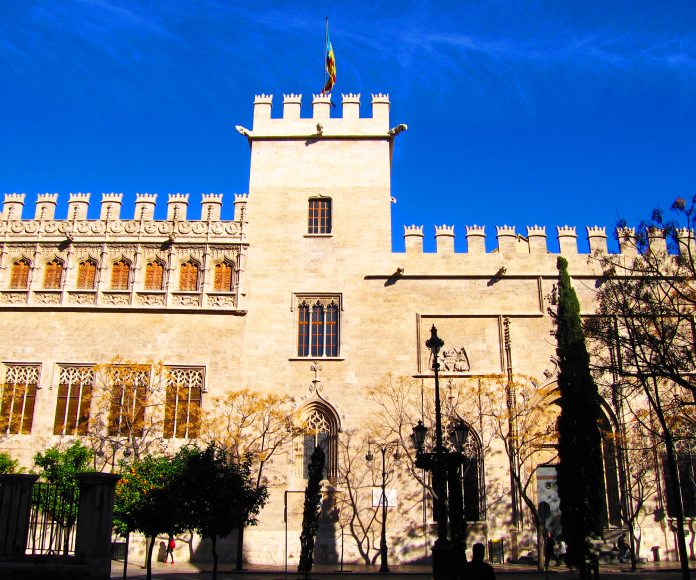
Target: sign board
column 377, row 497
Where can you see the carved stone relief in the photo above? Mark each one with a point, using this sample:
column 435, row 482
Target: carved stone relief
column 221, row 300
column 187, row 299
column 13, row 298
column 47, row 297
column 150, row 299
column 116, row 299
column 82, row 297
column 454, row 360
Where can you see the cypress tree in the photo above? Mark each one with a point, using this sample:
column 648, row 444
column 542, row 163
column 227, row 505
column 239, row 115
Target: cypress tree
column 580, row 473
column 312, row 511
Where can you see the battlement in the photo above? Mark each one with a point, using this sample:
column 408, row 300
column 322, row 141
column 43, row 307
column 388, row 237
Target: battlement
column 111, row 203
column 536, row 243
column 321, row 124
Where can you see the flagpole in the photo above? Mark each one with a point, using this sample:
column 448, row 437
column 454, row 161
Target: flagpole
column 326, row 44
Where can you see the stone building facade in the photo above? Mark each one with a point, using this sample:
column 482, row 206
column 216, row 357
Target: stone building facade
column 301, row 294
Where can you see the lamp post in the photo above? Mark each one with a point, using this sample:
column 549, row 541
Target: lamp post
column 384, row 566
column 436, row 462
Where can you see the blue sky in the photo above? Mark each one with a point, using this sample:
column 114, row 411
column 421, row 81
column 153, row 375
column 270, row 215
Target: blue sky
column 519, row 112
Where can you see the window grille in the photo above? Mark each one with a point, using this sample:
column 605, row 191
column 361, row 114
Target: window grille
column 154, row 275
column 188, row 277
column 75, row 384
column 224, row 277
column 18, row 398
column 53, row 274
column 19, row 278
column 87, row 275
column 183, row 403
column 120, row 275
column 319, row 219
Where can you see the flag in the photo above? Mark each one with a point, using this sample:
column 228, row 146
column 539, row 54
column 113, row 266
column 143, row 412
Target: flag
column 330, row 66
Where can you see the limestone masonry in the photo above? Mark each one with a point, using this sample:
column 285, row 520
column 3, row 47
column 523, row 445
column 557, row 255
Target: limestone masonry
column 300, row 295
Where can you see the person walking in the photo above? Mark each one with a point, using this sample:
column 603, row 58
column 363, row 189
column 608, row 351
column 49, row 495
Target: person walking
column 624, row 548
column 171, row 544
column 477, row 569
column 549, row 548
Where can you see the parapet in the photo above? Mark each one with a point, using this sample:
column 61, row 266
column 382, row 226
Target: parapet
column 324, row 122
column 444, row 239
column 46, row 206
column 507, row 239
column 567, row 240
column 413, row 239
column 476, row 239
column 597, row 237
column 111, row 204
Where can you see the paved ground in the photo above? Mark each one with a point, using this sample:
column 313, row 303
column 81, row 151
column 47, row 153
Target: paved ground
column 660, row 571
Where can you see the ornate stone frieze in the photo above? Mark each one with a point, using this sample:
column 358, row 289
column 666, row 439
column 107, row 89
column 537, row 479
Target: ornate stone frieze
column 146, row 299
column 13, row 297
column 116, row 298
column 82, row 297
column 47, row 297
column 186, row 299
column 221, row 300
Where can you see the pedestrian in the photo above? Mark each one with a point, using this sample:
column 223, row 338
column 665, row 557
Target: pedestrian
column 171, row 544
column 624, row 548
column 549, row 545
column 477, row 569
column 561, row 557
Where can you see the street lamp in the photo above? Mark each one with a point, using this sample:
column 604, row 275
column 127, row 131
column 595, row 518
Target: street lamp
column 384, row 566
column 442, row 548
column 444, row 560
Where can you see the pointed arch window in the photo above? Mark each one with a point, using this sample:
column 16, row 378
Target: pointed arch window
column 321, row 427
column 74, row 399
column 318, row 325
column 188, row 277
column 225, row 277
column 18, row 398
column 120, row 275
column 319, row 217
column 87, row 275
column 53, row 274
column 128, row 394
column 182, row 410
column 154, row 275
column 19, row 278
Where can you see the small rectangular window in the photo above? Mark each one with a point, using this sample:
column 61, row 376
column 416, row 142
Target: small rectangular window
column 319, row 221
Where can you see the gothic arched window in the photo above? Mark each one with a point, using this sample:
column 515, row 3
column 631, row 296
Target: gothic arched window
column 471, row 477
column 53, row 274
column 318, row 328
column 224, row 277
column 321, row 426
column 120, row 275
column 154, row 275
column 87, row 275
column 188, row 277
column 19, row 278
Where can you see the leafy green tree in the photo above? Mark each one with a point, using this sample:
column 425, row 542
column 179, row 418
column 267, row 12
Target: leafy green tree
column 62, row 498
column 218, row 494
column 312, row 511
column 7, row 464
column 148, row 500
column 580, row 478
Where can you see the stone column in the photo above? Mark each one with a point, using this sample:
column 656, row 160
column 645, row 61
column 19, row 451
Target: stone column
column 15, row 505
column 94, row 522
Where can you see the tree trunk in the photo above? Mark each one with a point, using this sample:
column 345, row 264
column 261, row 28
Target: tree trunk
column 148, row 558
column 240, row 549
column 679, row 516
column 541, row 546
column 213, row 542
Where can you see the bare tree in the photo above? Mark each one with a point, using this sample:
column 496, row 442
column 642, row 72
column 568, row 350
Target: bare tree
column 251, row 425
